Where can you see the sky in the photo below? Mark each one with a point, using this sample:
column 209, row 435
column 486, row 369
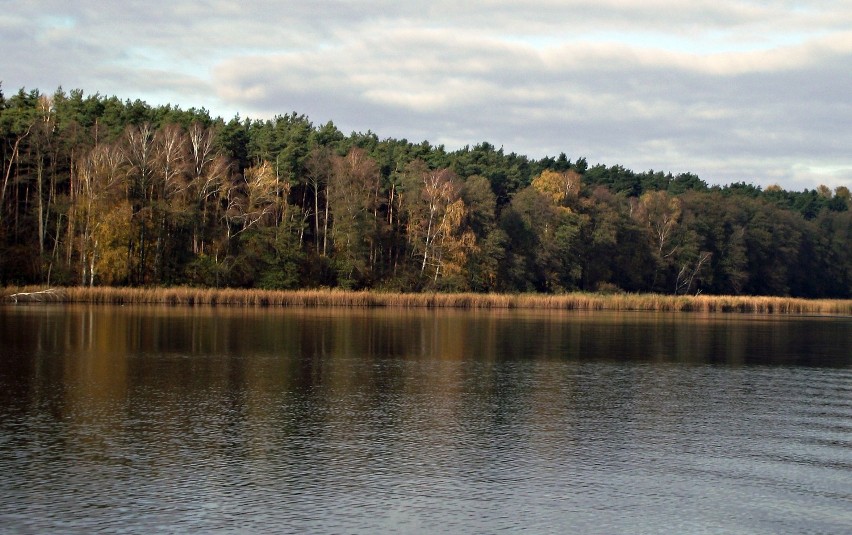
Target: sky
column 733, row 91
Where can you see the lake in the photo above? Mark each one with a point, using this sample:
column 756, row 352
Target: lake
column 158, row 419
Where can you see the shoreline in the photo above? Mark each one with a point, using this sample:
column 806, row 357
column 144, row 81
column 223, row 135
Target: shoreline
column 185, row 296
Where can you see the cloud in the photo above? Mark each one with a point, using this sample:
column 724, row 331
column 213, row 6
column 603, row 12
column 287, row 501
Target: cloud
column 732, row 90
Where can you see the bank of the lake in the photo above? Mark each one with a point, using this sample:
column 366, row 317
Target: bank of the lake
column 326, row 297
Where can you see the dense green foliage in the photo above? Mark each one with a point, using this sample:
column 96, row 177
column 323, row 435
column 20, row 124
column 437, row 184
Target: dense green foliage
column 96, row 191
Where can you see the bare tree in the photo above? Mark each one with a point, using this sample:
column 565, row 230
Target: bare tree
column 318, row 166
column 138, row 149
column 688, row 272
column 253, row 198
column 99, row 182
column 208, row 174
column 13, row 160
column 171, row 158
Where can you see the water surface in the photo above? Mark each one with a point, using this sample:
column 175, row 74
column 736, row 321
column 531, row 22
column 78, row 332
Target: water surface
column 141, row 419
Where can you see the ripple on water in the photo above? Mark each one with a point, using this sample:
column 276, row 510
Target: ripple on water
column 425, row 445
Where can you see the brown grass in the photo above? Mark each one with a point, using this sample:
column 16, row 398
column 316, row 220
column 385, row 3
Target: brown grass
column 314, row 298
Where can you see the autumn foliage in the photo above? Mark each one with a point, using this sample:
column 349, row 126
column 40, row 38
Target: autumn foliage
column 99, row 192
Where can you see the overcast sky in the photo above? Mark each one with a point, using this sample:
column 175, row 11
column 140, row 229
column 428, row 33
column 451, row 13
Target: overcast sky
column 754, row 91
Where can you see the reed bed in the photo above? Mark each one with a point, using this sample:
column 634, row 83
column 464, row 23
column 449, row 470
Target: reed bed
column 184, row 296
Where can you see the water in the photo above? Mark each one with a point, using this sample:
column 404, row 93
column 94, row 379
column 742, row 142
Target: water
column 139, row 420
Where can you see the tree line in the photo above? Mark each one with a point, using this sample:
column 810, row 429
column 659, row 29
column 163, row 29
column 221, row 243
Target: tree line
column 100, row 191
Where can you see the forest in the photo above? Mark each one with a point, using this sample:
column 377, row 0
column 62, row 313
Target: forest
column 97, row 191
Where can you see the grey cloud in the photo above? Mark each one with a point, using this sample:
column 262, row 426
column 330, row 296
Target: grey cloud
column 535, row 77
column 620, row 107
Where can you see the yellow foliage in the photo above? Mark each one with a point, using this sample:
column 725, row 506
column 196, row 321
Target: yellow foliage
column 111, row 239
column 453, row 218
column 558, row 187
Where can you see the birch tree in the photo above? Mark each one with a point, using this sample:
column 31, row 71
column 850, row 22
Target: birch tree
column 99, row 183
column 659, row 213
column 208, row 175
column 252, row 198
column 435, row 212
column 318, row 166
column 139, row 155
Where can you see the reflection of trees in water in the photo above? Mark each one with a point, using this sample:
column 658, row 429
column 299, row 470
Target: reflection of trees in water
column 262, row 363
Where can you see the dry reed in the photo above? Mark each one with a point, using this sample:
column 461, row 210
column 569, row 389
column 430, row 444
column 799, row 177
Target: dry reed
column 184, row 296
